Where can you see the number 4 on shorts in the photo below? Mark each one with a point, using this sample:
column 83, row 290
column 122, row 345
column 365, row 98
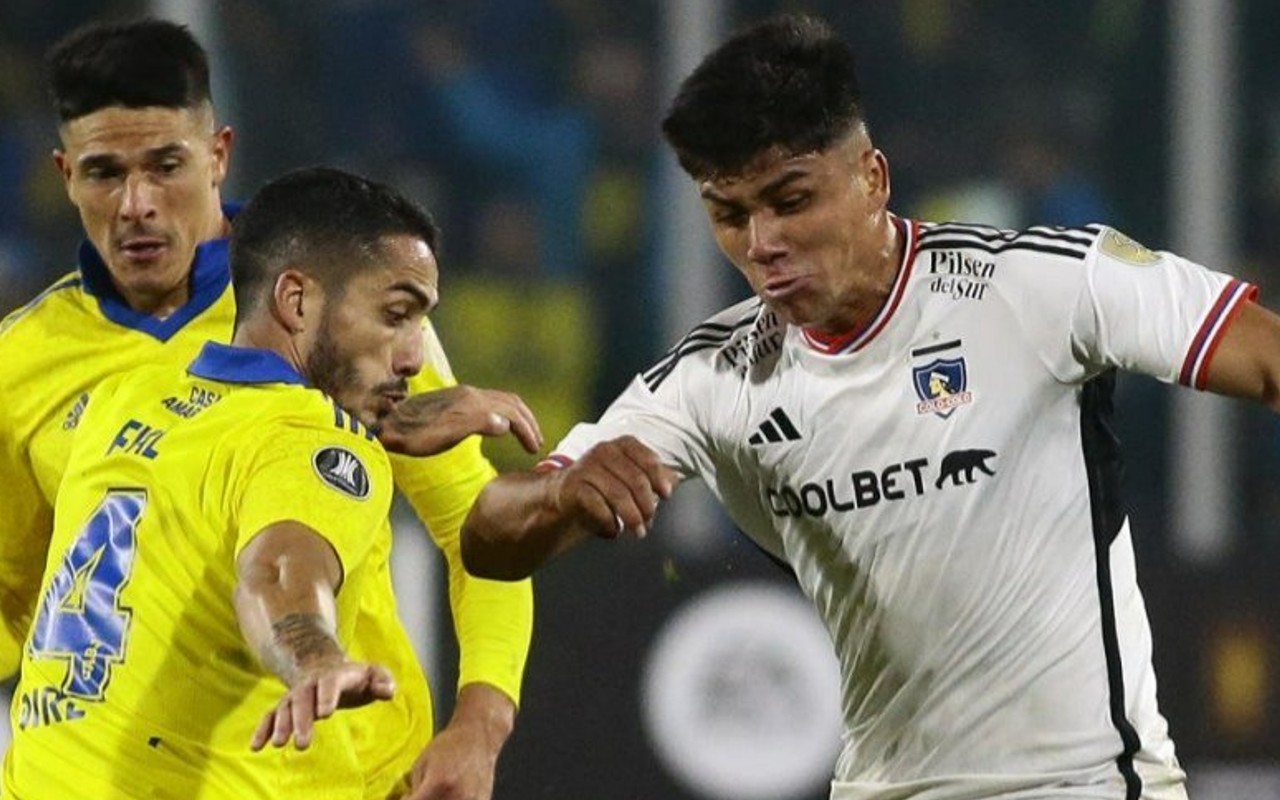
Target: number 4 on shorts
column 80, row 620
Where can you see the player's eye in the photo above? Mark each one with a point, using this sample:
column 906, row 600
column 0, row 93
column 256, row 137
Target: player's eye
column 793, row 203
column 731, row 218
column 169, row 166
column 101, row 172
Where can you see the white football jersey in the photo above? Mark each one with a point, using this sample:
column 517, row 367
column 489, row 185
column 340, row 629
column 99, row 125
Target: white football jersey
column 944, row 485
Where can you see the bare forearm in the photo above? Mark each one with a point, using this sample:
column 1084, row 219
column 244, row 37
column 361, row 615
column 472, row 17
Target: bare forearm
column 488, row 710
column 516, row 525
column 285, row 603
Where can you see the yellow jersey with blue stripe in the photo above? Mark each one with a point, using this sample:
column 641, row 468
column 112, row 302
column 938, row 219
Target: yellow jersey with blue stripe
column 135, row 662
column 57, row 348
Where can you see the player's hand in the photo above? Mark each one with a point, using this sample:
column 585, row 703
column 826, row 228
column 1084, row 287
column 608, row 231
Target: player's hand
column 616, row 487
column 432, row 422
column 459, row 763
column 316, row 694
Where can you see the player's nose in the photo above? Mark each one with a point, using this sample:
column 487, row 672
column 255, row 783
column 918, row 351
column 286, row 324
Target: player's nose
column 409, row 354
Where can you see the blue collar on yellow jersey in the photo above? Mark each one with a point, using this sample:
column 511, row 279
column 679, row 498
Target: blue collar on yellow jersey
column 228, row 364
column 210, row 274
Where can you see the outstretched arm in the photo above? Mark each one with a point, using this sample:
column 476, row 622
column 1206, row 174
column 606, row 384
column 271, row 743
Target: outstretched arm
column 522, row 520
column 287, row 578
column 1247, row 362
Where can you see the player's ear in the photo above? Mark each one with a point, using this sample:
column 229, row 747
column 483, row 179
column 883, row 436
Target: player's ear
column 63, row 165
column 223, row 138
column 875, row 177
column 289, row 299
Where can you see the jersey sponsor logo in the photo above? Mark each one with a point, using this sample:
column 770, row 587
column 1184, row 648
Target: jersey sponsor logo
column 198, row 400
column 764, row 339
column 960, row 276
column 962, row 466
column 136, row 438
column 942, row 386
column 868, row 487
column 777, row 428
column 73, row 416
column 1122, row 248
column 341, row 469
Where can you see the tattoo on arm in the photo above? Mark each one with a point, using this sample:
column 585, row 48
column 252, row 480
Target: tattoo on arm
column 298, row 639
column 421, row 410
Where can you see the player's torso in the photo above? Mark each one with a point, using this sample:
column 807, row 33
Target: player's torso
column 928, row 488
column 136, row 659
column 65, row 346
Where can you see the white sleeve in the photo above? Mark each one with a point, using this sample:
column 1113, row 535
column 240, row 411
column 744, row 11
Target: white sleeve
column 1154, row 313
column 656, row 419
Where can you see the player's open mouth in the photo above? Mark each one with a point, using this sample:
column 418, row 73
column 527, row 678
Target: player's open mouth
column 143, row 248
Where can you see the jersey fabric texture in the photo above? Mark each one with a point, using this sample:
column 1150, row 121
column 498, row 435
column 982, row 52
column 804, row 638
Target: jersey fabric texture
column 78, row 332
column 944, row 485
column 135, row 662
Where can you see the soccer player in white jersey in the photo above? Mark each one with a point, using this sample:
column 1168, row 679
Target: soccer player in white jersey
column 913, row 418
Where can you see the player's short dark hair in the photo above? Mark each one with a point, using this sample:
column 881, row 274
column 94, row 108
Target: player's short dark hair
column 328, row 223
column 786, row 83
column 138, row 64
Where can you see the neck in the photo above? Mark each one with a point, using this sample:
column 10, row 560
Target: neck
column 263, row 334
column 871, row 293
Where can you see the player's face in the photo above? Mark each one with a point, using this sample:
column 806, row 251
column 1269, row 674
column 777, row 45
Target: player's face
column 370, row 337
column 146, row 182
column 810, row 232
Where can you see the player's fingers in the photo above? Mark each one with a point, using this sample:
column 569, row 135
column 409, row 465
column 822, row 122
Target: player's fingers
column 263, row 733
column 303, row 710
column 601, row 516
column 331, row 689
column 283, row 727
column 381, row 683
column 660, row 477
column 622, row 503
column 525, row 425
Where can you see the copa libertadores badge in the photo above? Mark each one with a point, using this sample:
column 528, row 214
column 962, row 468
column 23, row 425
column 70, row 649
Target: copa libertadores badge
column 341, row 469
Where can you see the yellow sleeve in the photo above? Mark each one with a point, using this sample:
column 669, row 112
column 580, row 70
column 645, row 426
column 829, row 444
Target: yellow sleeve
column 26, row 523
column 493, row 619
column 335, row 482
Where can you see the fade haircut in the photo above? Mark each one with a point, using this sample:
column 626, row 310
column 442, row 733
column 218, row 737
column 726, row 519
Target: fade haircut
column 787, row 84
column 147, row 62
column 325, row 222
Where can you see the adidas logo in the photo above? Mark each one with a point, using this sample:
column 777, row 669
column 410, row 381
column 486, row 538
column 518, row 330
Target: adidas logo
column 777, row 428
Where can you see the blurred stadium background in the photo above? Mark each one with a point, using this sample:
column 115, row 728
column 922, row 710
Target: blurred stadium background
column 574, row 253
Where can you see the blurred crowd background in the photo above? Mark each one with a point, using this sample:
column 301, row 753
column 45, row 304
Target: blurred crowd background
column 530, row 129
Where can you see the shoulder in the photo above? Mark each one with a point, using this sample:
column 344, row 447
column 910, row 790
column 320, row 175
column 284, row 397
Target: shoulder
column 59, row 298
column 957, row 246
column 738, row 339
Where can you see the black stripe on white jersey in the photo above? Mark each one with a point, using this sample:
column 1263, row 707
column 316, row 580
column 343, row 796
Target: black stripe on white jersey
column 1104, row 468
column 706, row 335
column 1067, row 242
column 1084, row 235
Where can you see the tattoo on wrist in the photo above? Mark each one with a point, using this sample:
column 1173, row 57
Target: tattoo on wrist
column 419, row 411
column 298, row 639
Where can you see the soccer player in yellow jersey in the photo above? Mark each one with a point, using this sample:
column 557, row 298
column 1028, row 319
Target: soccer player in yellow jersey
column 220, row 523
column 143, row 160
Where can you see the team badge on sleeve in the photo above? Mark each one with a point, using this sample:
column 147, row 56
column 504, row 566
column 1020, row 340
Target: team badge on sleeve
column 341, row 469
column 942, row 386
column 1122, row 248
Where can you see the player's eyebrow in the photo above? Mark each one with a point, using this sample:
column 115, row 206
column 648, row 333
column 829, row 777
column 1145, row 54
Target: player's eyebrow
column 164, row 151
column 408, row 287
column 774, row 187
